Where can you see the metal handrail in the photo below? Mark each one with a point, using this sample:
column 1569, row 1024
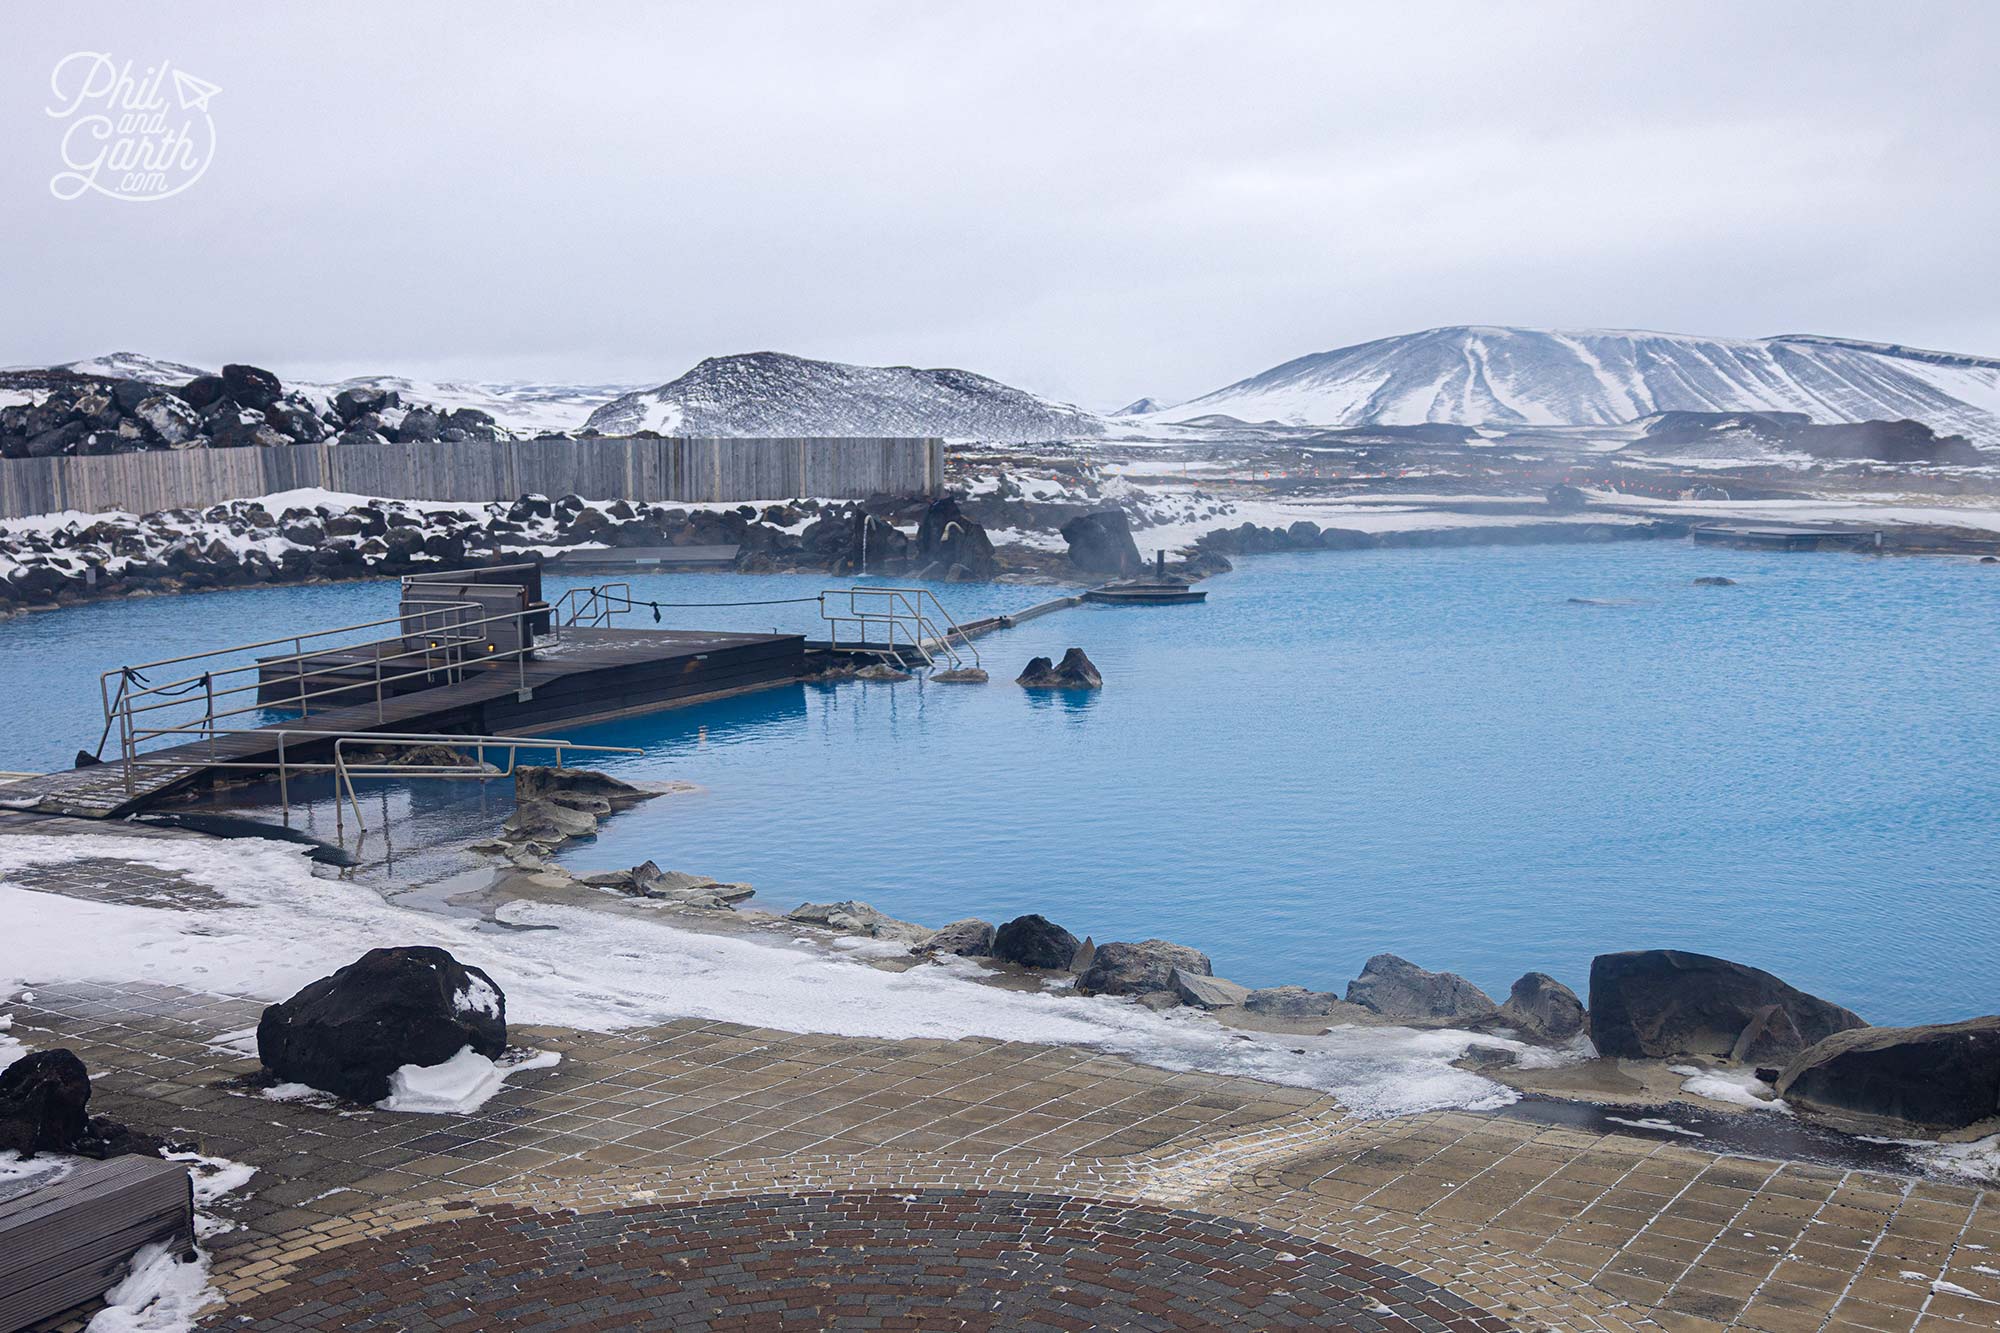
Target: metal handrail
column 906, row 611
column 596, row 605
column 449, row 647
column 345, row 772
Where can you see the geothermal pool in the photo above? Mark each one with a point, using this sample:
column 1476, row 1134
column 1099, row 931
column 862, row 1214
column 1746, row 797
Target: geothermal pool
column 1435, row 753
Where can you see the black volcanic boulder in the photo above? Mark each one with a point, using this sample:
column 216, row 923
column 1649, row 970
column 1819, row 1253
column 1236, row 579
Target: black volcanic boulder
column 251, row 386
column 1541, row 1006
column 947, row 538
column 1397, row 988
column 1118, row 968
column 1663, row 1003
column 202, row 391
column 1074, row 672
column 44, row 1098
column 1565, row 499
column 1940, row 1076
column 350, row 404
column 1035, row 941
column 349, row 1032
column 1101, row 543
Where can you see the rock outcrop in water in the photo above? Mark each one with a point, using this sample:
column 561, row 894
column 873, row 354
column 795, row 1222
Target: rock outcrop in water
column 1074, row 672
column 349, row 1032
column 1938, row 1076
column 1664, row 1003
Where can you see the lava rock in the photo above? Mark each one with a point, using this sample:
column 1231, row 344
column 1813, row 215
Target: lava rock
column 548, row 822
column 1291, row 1002
column 1397, row 988
column 1714, row 581
column 970, row 938
column 1035, row 941
column 1770, row 1037
column 528, row 507
column 1074, row 672
column 1543, row 1007
column 170, row 420
column 960, row 676
column 1101, row 543
column 1138, row 969
column 1664, row 1003
column 251, row 386
column 856, row 918
column 60, row 440
column 1205, row 992
column 349, row 404
column 347, row 1033
column 296, row 420
column 946, row 537
column 534, row 782
column 202, row 391
column 1565, row 499
column 1939, row 1075
column 44, row 1101
column 420, row 425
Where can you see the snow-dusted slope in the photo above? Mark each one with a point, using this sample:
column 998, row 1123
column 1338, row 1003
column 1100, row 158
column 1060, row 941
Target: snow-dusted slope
column 522, row 408
column 136, row 366
column 770, row 393
column 1474, row 375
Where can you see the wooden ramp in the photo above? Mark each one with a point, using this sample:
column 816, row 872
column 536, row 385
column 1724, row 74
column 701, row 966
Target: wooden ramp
column 591, row 676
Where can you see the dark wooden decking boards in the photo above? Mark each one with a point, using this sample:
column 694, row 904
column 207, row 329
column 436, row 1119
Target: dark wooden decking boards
column 68, row 1242
column 592, row 675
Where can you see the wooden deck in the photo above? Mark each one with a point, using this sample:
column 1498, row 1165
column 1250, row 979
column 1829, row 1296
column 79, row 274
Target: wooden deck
column 592, row 675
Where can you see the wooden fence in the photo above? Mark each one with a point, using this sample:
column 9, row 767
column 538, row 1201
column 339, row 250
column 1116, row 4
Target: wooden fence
column 683, row 469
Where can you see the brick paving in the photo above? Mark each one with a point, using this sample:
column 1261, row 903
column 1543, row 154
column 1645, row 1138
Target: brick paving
column 925, row 1259
column 1539, row 1227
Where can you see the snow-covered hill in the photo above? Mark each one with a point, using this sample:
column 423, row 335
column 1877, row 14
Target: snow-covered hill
column 1474, row 375
column 771, row 393
column 524, row 409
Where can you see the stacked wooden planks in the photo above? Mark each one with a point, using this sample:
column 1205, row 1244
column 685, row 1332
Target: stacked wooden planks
column 69, row 1242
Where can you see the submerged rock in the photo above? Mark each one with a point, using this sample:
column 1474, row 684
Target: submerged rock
column 533, row 781
column 1664, row 1003
column 970, row 938
column 347, row 1033
column 1714, row 581
column 1938, row 1076
column 547, row 822
column 1035, row 941
column 884, row 672
column 1397, row 988
column 960, row 676
column 1543, row 1007
column 1074, row 672
column 1119, row 968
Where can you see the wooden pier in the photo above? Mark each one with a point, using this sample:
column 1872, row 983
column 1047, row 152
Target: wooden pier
column 592, row 675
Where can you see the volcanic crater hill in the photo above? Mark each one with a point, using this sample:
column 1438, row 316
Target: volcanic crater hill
column 1479, row 375
column 772, row 393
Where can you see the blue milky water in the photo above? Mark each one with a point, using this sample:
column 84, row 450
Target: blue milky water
column 1436, row 753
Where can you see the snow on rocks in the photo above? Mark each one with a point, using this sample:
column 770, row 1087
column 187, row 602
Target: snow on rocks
column 599, row 971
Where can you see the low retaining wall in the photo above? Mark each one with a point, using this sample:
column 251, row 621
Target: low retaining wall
column 691, row 470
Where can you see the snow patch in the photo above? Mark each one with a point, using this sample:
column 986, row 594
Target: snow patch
column 459, row 1086
column 159, row 1294
column 1736, row 1087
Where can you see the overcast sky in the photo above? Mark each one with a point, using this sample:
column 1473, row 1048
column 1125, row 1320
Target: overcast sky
column 1095, row 201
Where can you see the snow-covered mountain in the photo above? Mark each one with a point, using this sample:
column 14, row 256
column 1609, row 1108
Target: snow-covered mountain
column 771, row 393
column 1475, row 375
column 135, row 366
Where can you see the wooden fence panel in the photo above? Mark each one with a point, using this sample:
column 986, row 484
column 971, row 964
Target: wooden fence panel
column 712, row 470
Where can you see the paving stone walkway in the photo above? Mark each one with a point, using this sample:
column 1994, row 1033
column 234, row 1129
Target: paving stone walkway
column 922, row 1259
column 642, row 1143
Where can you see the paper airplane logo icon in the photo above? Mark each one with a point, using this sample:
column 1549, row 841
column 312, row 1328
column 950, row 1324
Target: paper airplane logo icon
column 194, row 93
